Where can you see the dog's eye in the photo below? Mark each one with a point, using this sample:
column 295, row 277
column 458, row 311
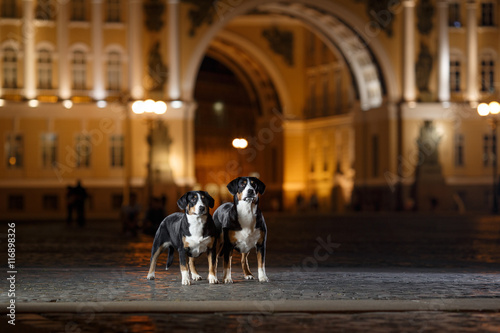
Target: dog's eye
column 203, row 197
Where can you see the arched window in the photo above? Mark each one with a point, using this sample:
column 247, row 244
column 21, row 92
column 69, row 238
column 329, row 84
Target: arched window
column 488, row 72
column 114, row 70
column 9, row 68
column 44, row 69
column 79, row 70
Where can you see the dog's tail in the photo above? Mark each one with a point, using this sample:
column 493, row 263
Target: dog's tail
column 170, row 259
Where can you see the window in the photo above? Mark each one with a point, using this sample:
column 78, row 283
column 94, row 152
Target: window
column 338, row 92
column 114, row 71
column 454, row 74
column 116, row 152
column 326, row 92
column 459, row 150
column 44, row 69
column 44, row 10
column 83, row 148
column 312, row 159
column 116, row 201
column 454, row 15
column 375, row 156
column 9, row 8
column 312, row 98
column 9, row 68
column 49, row 149
column 113, row 9
column 79, row 70
column 50, row 202
column 488, row 72
column 489, row 144
column 14, row 150
column 78, row 10
column 326, row 157
column 15, row 202
column 487, row 14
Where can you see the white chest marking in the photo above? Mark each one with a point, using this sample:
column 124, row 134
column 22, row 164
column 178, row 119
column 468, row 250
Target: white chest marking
column 197, row 243
column 247, row 238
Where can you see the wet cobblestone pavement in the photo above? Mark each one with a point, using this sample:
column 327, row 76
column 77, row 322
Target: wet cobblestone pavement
column 310, row 258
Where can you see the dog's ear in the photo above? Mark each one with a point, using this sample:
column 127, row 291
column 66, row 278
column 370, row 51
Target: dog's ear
column 211, row 201
column 261, row 187
column 182, row 202
column 233, row 186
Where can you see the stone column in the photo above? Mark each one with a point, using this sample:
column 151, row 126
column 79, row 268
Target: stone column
column 443, row 53
column 173, row 50
column 409, row 93
column 29, row 49
column 62, row 47
column 97, row 31
column 135, row 49
column 472, row 58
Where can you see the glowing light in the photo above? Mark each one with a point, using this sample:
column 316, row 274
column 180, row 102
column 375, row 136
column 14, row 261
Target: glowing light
column 101, row 104
column 494, row 107
column 483, row 109
column 218, row 107
column 138, row 107
column 12, row 160
column 149, row 106
column 239, row 143
column 176, row 104
column 33, row 103
column 2, row 102
column 67, row 104
column 160, row 107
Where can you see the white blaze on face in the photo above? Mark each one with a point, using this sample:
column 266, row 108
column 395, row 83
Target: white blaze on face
column 248, row 187
column 198, row 205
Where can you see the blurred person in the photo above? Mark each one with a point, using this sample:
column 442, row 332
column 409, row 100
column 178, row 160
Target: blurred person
column 130, row 216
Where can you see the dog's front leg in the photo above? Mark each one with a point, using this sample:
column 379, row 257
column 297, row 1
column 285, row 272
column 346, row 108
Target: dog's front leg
column 244, row 265
column 228, row 256
column 261, row 262
column 184, row 267
column 194, row 274
column 212, row 265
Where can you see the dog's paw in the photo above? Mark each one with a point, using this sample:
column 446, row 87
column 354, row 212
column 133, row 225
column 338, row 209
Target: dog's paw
column 212, row 279
column 186, row 282
column 196, row 277
column 151, row 276
column 249, row 277
column 263, row 278
column 228, row 280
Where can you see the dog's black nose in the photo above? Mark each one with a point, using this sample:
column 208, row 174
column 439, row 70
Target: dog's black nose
column 251, row 191
column 202, row 209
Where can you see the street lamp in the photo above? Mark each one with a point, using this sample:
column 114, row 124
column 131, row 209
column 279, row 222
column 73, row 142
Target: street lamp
column 151, row 109
column 240, row 144
column 493, row 108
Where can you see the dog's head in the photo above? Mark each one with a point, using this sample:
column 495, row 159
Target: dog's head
column 246, row 188
column 196, row 203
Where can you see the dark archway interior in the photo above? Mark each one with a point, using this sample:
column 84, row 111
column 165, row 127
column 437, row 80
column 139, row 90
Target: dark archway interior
column 224, row 112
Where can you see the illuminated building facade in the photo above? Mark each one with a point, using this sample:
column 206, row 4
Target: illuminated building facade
column 333, row 97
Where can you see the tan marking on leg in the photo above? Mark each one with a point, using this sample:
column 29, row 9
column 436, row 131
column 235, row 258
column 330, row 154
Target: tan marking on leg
column 186, row 244
column 185, row 275
column 245, row 267
column 194, row 274
column 227, row 270
column 152, row 266
column 212, row 269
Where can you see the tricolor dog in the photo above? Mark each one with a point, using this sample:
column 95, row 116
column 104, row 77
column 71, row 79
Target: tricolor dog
column 190, row 233
column 243, row 226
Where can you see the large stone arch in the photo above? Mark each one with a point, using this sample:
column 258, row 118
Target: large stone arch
column 366, row 59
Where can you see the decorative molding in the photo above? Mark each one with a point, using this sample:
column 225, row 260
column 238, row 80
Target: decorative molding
column 423, row 68
column 202, row 12
column 281, row 42
column 157, row 70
